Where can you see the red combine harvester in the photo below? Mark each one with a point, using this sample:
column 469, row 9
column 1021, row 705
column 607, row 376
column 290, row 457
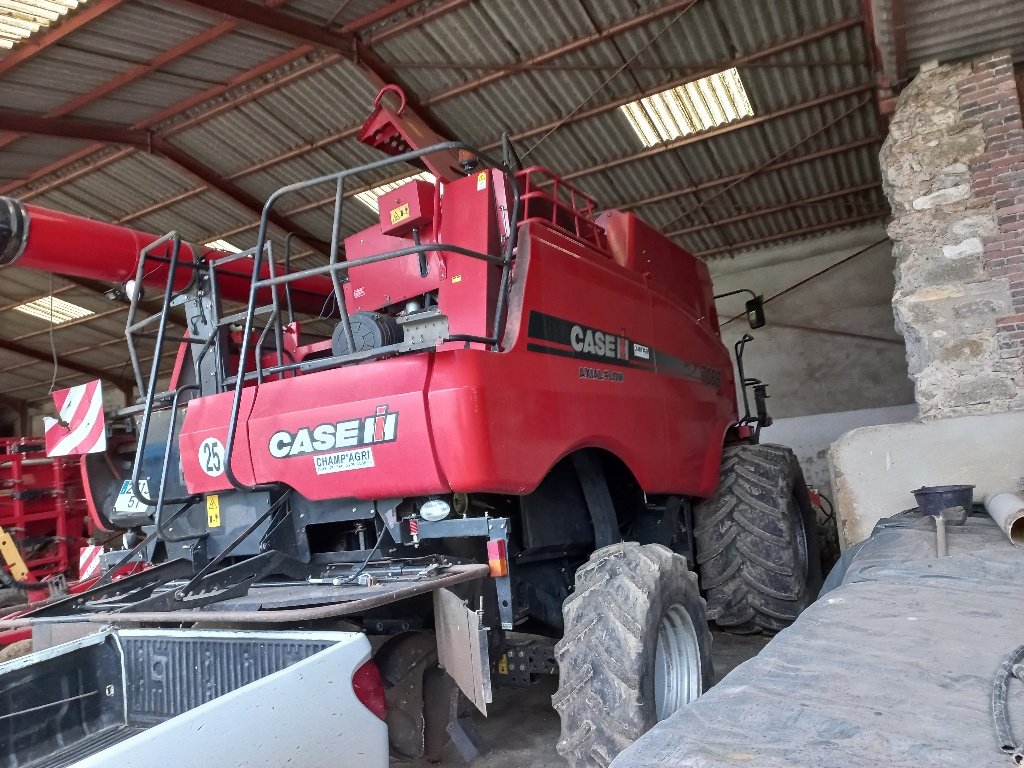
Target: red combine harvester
column 520, row 418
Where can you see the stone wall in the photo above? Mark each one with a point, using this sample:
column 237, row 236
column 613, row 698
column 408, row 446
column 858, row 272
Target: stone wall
column 953, row 170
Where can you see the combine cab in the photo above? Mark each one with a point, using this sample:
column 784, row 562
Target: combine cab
column 494, row 409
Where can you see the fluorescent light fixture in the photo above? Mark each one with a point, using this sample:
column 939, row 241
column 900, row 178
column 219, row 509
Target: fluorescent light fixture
column 369, row 198
column 20, row 19
column 54, row 310
column 691, row 108
column 223, row 245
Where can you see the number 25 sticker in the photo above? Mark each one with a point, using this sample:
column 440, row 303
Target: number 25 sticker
column 211, row 456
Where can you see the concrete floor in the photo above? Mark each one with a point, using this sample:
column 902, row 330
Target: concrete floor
column 522, row 728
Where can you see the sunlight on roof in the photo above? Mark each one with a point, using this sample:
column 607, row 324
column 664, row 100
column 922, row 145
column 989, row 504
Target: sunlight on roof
column 691, row 108
column 369, row 197
column 53, row 310
column 20, row 19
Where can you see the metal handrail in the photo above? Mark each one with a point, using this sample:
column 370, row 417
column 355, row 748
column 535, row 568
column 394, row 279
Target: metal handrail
column 335, row 267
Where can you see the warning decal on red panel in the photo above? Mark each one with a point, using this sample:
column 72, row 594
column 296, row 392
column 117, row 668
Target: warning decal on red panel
column 79, row 427
column 89, row 561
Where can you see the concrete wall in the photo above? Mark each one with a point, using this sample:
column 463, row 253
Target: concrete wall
column 809, row 369
column 874, row 469
column 811, row 436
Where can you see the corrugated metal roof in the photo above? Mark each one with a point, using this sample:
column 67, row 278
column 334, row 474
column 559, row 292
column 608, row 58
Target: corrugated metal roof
column 276, row 113
column 949, row 30
column 20, row 20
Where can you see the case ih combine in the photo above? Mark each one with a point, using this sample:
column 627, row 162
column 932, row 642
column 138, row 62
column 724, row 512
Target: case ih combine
column 523, row 422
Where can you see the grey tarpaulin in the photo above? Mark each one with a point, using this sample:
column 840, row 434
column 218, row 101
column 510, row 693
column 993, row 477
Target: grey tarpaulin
column 894, row 667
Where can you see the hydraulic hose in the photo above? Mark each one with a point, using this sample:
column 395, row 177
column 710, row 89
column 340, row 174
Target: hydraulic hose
column 1000, row 706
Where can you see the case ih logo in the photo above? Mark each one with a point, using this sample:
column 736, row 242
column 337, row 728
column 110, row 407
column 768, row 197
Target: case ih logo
column 382, row 427
column 591, row 342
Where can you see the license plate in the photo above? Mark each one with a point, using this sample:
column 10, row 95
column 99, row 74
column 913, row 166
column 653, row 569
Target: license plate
column 127, row 502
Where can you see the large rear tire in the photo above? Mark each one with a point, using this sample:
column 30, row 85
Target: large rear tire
column 757, row 542
column 636, row 647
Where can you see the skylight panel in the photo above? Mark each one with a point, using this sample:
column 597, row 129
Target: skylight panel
column 20, row 19
column 53, row 310
column 370, row 196
column 223, row 245
column 691, row 108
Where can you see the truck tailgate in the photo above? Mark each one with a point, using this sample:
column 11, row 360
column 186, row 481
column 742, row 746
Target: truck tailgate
column 162, row 698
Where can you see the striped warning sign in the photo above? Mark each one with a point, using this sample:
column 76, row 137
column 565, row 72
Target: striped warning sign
column 79, row 428
column 89, row 561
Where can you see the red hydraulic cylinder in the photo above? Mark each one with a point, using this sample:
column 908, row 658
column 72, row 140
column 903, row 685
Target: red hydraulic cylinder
column 49, row 241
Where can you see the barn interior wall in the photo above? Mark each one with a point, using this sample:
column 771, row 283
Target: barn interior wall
column 822, row 383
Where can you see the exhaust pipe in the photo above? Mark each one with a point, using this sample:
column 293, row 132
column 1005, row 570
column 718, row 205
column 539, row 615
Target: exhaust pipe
column 1007, row 509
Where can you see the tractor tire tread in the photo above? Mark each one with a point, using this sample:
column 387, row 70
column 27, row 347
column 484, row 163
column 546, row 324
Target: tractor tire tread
column 606, row 651
column 751, row 571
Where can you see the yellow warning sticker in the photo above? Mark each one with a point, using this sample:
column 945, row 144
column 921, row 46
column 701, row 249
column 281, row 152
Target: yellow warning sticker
column 503, row 664
column 481, row 180
column 456, row 278
column 401, row 213
column 213, row 511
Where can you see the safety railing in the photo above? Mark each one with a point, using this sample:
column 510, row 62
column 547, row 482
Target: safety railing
column 337, row 270
column 553, row 200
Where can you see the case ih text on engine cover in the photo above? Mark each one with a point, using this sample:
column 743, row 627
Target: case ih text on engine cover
column 495, row 409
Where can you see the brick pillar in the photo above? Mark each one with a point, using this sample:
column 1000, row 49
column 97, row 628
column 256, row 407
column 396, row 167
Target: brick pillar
column 953, row 170
column 990, row 94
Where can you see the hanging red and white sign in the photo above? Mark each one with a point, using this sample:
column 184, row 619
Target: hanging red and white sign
column 79, row 427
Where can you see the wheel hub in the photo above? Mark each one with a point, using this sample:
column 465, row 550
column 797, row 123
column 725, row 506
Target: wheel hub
column 677, row 664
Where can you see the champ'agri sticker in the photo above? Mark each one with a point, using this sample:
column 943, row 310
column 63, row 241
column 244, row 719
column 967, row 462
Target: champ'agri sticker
column 481, row 181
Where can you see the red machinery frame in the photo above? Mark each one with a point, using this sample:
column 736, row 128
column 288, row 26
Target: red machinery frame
column 42, row 504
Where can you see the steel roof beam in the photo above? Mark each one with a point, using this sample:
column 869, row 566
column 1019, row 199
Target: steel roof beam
column 661, row 148
column 378, row 71
column 347, row 133
column 428, row 14
column 280, row 22
column 769, row 210
column 89, row 130
column 898, row 20
column 45, row 357
column 658, row 12
column 73, row 128
column 746, row 122
column 878, row 213
column 214, row 180
column 396, row 6
column 40, row 41
column 723, row 180
column 739, row 61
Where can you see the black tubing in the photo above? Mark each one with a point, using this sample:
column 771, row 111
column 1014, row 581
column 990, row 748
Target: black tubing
column 1000, row 710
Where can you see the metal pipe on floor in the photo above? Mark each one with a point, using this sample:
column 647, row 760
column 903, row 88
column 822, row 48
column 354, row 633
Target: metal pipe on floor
column 941, row 550
column 1007, row 509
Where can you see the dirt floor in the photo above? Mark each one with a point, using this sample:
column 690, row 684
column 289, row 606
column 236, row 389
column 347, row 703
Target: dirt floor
column 522, row 728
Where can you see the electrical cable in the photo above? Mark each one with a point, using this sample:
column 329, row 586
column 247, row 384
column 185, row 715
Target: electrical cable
column 53, row 348
column 610, row 77
column 369, row 555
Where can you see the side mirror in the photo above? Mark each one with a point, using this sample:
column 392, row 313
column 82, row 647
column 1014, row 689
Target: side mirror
column 755, row 312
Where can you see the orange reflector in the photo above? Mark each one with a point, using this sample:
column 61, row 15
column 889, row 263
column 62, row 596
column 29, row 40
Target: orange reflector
column 497, row 558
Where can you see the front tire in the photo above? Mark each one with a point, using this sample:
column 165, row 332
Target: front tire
column 757, row 541
column 636, row 647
